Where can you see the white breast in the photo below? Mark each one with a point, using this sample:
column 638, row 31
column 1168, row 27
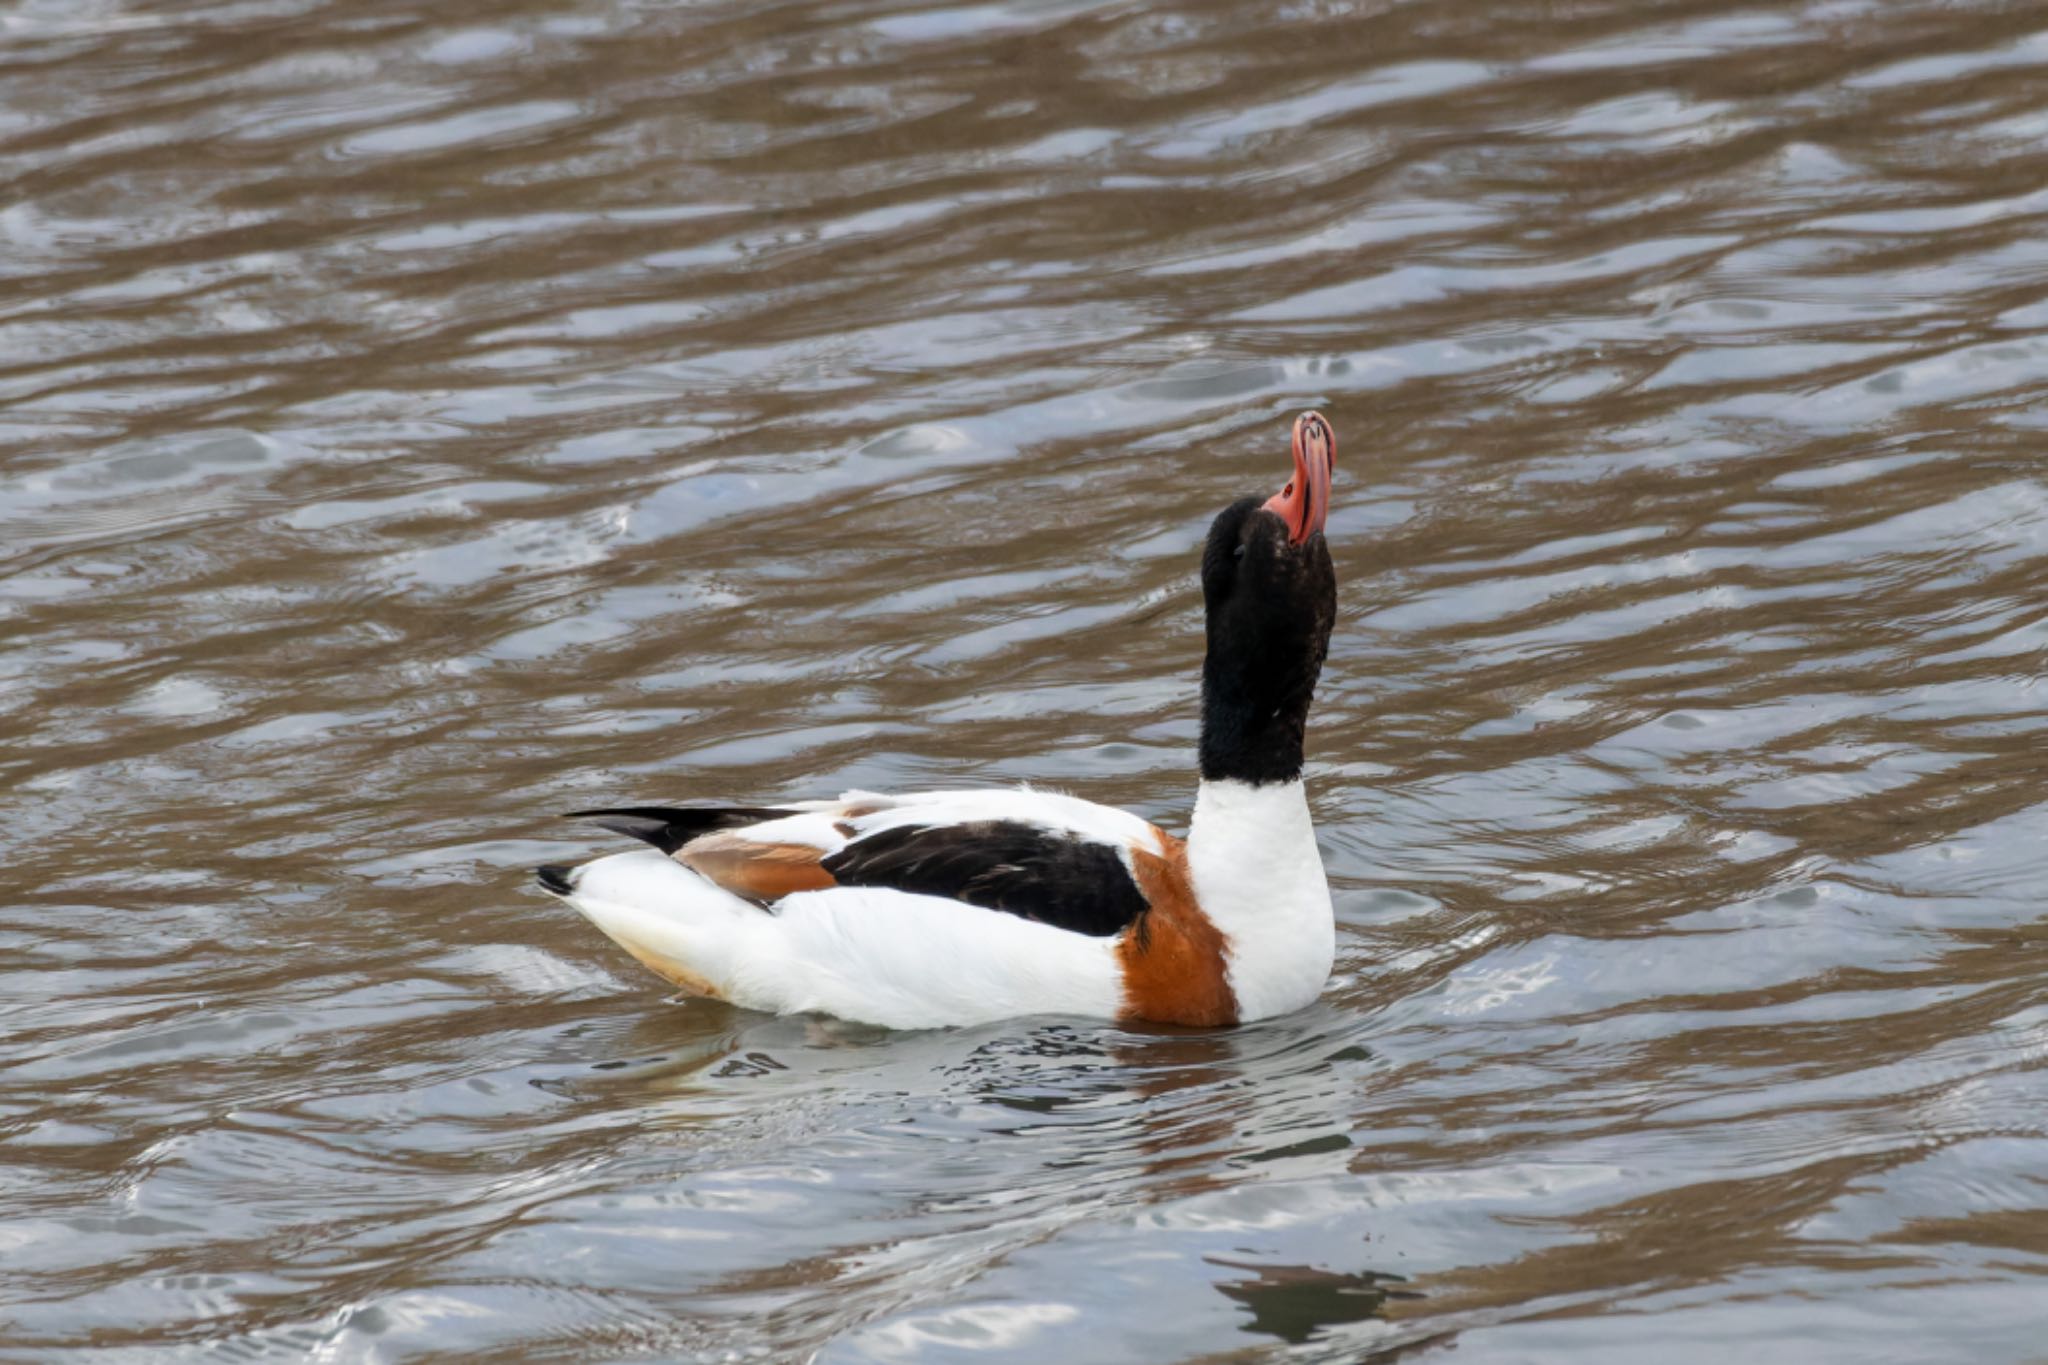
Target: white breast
column 1259, row 878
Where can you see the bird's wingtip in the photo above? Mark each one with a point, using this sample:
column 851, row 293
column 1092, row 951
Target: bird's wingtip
column 555, row 878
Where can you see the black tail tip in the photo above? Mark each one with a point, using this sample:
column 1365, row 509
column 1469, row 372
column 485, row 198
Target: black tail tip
column 555, row 877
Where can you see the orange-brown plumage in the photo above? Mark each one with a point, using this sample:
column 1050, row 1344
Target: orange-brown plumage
column 1174, row 962
column 758, row 871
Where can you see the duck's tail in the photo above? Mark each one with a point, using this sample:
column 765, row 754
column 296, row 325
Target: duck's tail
column 679, row 925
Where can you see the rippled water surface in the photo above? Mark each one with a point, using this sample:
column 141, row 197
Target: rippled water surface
column 417, row 420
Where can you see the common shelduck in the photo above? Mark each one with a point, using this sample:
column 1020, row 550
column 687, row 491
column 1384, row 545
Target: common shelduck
column 960, row 907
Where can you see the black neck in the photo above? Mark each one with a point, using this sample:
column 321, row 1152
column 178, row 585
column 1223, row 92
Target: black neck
column 1246, row 740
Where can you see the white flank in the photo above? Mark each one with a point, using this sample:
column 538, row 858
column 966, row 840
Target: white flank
column 863, row 953
column 907, row 961
column 1259, row 878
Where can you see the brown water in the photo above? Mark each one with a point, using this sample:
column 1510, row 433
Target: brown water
column 412, row 426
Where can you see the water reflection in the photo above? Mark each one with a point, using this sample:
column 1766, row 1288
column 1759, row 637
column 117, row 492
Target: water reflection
column 1299, row 1303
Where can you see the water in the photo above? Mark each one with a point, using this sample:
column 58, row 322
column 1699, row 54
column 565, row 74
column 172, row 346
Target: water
column 414, row 425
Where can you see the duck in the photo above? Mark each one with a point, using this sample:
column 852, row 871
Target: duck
column 949, row 908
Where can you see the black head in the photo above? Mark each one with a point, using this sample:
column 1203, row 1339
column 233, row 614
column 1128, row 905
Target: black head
column 1271, row 597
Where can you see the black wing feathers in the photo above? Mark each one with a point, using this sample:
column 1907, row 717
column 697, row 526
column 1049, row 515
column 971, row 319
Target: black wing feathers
column 1051, row 876
column 668, row 828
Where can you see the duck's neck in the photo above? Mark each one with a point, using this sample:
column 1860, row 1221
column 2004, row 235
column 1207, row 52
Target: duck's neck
column 1258, row 826
column 1252, row 735
column 1252, row 856
column 1251, row 837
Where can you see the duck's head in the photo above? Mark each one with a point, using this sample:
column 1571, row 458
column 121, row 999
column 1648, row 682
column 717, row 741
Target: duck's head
column 1271, row 595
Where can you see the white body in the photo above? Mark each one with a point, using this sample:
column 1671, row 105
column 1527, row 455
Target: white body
column 903, row 960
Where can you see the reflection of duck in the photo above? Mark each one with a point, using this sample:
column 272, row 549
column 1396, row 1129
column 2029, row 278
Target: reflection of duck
column 956, row 907
column 1299, row 1303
